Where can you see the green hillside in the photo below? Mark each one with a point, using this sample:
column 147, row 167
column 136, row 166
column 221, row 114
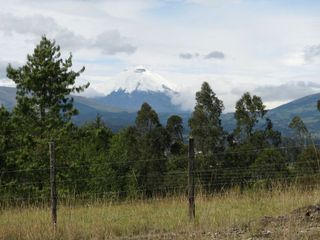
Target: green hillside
column 114, row 117
column 305, row 107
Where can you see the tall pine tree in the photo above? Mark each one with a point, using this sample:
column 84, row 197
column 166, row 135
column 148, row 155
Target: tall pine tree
column 44, row 85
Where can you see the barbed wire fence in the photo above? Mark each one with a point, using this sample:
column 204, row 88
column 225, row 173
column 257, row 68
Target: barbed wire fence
column 191, row 180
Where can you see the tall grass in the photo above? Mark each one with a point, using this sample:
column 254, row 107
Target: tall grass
column 109, row 220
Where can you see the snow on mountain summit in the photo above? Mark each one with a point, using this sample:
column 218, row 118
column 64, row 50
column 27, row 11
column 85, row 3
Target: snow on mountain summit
column 141, row 79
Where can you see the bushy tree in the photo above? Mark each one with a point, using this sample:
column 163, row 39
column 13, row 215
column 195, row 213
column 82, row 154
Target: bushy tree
column 44, row 85
column 301, row 129
column 175, row 127
column 44, row 107
column 249, row 109
column 124, row 154
column 147, row 119
column 175, row 130
column 269, row 164
column 205, row 123
column 308, row 162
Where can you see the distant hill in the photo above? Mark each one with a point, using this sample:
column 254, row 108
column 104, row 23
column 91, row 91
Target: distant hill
column 305, row 107
column 117, row 118
column 114, row 117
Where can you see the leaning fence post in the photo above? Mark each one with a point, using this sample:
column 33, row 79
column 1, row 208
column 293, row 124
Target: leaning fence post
column 53, row 192
column 191, row 187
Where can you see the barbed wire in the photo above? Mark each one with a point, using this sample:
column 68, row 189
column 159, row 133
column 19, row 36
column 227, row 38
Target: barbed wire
column 116, row 194
column 225, row 152
column 204, row 178
column 108, row 162
column 264, row 149
column 219, row 172
column 232, row 173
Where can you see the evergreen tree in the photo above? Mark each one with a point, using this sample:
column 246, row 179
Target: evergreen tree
column 205, row 122
column 43, row 111
column 153, row 141
column 44, row 85
column 7, row 147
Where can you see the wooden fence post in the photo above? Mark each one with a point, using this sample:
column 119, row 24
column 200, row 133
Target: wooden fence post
column 53, row 192
column 191, row 187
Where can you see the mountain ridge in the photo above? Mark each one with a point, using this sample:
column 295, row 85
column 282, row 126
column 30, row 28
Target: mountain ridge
column 117, row 118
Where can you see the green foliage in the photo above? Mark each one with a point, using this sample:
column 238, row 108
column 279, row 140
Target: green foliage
column 308, row 162
column 7, row 144
column 146, row 119
column 301, row 130
column 205, row 122
column 248, row 112
column 298, row 125
column 5, row 128
column 44, row 85
column 43, row 111
column 272, row 137
column 175, row 130
column 175, row 127
column 269, row 164
column 124, row 154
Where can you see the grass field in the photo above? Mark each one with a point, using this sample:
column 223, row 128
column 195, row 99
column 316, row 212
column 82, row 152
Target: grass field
column 148, row 219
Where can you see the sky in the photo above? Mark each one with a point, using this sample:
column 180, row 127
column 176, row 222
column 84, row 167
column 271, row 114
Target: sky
column 270, row 48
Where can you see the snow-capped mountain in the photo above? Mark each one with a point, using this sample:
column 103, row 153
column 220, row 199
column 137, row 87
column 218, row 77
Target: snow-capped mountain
column 137, row 85
column 141, row 79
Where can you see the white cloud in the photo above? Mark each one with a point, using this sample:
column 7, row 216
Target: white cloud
column 90, row 92
column 294, row 59
column 109, row 42
column 287, row 91
column 35, row 24
column 265, row 41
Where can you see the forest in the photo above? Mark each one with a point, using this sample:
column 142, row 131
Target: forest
column 144, row 160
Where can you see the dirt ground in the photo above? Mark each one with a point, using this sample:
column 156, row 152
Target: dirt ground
column 302, row 223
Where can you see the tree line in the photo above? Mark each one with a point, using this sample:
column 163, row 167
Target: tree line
column 145, row 159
